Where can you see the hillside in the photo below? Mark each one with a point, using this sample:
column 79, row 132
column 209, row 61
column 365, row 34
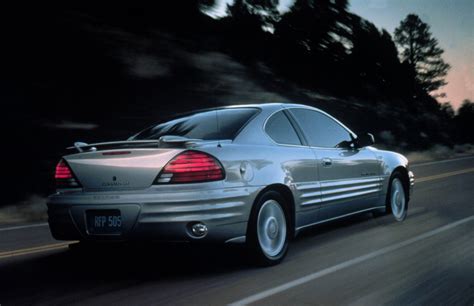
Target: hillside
column 103, row 74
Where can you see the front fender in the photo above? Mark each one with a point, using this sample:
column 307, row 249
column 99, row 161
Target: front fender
column 391, row 162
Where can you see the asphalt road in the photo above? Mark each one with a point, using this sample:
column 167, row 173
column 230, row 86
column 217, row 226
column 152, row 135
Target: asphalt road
column 426, row 260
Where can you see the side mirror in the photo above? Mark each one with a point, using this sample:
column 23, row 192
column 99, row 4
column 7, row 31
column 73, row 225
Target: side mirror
column 365, row 140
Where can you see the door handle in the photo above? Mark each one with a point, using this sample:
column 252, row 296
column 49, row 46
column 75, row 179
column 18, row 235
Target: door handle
column 327, row 162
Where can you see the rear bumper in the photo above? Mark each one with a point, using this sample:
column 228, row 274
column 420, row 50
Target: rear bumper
column 156, row 215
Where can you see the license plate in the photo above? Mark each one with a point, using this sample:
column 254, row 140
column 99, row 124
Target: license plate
column 100, row 222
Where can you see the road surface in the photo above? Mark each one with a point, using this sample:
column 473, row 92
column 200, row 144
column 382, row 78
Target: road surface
column 428, row 259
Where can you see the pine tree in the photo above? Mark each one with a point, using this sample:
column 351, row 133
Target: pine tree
column 421, row 51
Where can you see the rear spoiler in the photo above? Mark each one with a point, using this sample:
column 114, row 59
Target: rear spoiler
column 162, row 142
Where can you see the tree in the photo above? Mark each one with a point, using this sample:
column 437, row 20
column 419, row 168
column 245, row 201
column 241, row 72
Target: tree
column 262, row 12
column 315, row 24
column 247, row 27
column 464, row 122
column 373, row 58
column 447, row 110
column 312, row 39
column 421, row 51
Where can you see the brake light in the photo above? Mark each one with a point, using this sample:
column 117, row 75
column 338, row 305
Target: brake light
column 191, row 167
column 64, row 176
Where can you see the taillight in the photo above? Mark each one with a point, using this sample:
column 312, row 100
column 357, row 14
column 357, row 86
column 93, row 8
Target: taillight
column 64, row 176
column 191, row 167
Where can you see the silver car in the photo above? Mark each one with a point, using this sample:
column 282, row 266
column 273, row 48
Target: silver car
column 253, row 174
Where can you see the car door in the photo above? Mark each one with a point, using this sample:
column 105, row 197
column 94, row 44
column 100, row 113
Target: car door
column 349, row 177
column 299, row 162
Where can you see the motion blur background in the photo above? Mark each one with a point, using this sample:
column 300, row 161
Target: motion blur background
column 103, row 73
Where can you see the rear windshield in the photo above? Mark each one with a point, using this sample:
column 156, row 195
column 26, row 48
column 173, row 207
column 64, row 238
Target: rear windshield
column 206, row 125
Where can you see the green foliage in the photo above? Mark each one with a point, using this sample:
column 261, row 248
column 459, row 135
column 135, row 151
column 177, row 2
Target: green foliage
column 422, row 52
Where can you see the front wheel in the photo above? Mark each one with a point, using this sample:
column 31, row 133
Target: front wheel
column 268, row 230
column 397, row 199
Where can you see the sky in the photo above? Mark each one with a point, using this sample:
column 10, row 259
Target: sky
column 451, row 21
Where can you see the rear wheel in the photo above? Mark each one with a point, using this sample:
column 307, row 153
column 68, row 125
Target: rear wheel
column 268, row 231
column 397, row 201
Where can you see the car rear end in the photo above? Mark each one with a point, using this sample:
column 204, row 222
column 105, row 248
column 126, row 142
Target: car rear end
column 171, row 192
column 157, row 194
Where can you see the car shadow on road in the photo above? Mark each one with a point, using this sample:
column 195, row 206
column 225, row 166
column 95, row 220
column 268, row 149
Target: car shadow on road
column 83, row 271
column 95, row 269
column 361, row 221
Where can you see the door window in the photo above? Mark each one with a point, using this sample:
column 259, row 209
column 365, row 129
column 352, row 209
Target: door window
column 319, row 129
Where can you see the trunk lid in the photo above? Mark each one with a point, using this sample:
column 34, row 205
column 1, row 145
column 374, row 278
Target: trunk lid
column 120, row 169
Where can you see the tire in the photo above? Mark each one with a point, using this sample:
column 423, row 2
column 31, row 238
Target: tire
column 269, row 229
column 397, row 199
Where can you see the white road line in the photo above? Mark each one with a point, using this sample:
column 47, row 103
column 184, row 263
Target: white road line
column 305, row 279
column 441, row 161
column 443, row 175
column 12, row 228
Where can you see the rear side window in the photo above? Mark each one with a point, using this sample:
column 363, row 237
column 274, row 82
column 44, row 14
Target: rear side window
column 319, row 129
column 206, row 125
column 279, row 128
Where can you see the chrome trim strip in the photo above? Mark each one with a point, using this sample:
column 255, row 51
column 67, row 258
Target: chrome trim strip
column 165, row 208
column 325, row 191
column 339, row 217
column 240, row 239
column 311, row 194
column 350, row 182
column 311, row 202
column 305, row 186
column 336, row 183
column 353, row 188
column 156, row 217
column 349, row 195
column 340, row 197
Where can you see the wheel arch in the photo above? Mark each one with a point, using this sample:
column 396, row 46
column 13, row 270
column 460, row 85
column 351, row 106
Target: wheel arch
column 286, row 193
column 405, row 179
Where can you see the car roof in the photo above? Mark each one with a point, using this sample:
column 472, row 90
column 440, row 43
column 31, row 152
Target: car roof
column 267, row 110
column 263, row 106
column 269, row 106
